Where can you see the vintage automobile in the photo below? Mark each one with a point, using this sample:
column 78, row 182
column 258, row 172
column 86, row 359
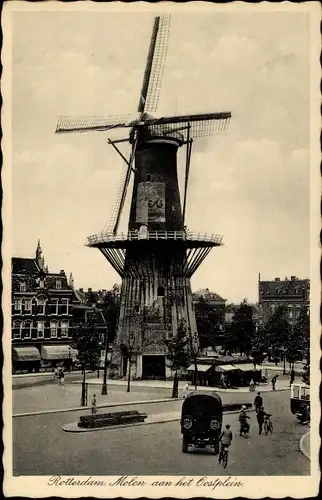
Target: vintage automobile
column 201, row 420
column 300, row 401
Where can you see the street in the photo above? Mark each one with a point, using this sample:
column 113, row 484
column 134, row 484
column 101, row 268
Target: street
column 40, row 447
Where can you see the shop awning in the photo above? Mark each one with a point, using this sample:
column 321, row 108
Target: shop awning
column 26, row 354
column 200, row 368
column 225, row 368
column 246, row 367
column 58, row 352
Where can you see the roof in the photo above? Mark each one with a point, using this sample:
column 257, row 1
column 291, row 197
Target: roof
column 204, row 292
column 284, row 287
column 211, row 394
column 21, row 265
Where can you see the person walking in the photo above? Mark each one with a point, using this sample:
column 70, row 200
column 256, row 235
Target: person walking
column 260, row 419
column 244, row 425
column 258, row 402
column 274, row 382
column 292, row 376
column 94, row 406
column 61, row 376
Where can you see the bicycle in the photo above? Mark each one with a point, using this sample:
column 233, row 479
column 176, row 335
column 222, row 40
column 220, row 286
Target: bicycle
column 268, row 426
column 223, row 456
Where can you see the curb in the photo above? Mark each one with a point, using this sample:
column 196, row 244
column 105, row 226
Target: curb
column 301, row 445
column 84, row 408
column 73, row 425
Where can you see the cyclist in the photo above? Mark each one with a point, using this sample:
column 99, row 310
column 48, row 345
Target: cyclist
column 225, row 439
column 244, row 425
column 261, row 417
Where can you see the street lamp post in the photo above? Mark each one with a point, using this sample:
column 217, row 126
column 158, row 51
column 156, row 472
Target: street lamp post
column 131, row 344
column 69, row 359
column 104, row 386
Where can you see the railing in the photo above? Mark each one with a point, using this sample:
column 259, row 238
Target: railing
column 154, row 235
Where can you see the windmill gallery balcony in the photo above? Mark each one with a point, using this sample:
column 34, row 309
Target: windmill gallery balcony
column 194, row 247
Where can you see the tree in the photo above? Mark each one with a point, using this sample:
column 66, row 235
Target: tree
column 178, row 352
column 259, row 345
column 242, row 328
column 110, row 310
column 306, row 373
column 88, row 345
column 278, row 332
column 207, row 319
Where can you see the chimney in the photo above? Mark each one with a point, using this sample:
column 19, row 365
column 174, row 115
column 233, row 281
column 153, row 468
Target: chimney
column 62, row 271
column 293, row 278
column 277, row 279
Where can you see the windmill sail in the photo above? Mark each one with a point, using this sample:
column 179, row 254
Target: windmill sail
column 153, row 73
column 88, row 123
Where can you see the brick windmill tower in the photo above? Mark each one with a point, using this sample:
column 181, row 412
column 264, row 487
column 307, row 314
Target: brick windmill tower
column 157, row 256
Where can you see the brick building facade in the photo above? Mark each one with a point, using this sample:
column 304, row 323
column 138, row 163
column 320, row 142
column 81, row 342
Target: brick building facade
column 292, row 294
column 41, row 315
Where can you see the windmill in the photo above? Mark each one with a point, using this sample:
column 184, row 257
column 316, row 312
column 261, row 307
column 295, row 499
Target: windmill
column 157, row 256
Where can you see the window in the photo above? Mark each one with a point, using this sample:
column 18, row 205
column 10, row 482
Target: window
column 23, row 287
column 41, row 305
column 27, row 326
column 273, row 307
column 18, row 305
column 53, row 329
column 160, row 291
column 27, row 305
column 290, row 312
column 148, row 178
column 40, row 329
column 41, row 283
column 54, row 306
column 64, row 328
column 58, row 284
column 64, row 308
column 17, row 329
column 298, row 310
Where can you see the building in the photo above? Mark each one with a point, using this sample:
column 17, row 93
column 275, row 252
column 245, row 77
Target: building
column 292, row 294
column 41, row 316
column 218, row 303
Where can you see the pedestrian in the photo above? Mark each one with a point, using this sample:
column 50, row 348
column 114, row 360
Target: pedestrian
column 61, row 377
column 244, row 425
column 223, row 381
column 260, row 419
column 292, row 376
column 274, row 382
column 186, row 389
column 258, row 402
column 56, row 372
column 252, row 385
column 94, row 407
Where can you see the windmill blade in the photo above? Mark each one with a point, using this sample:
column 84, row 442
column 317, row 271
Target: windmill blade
column 115, row 216
column 200, row 125
column 153, row 73
column 89, row 123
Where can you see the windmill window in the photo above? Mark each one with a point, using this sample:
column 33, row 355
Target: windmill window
column 160, row 291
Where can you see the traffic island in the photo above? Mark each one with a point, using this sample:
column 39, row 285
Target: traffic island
column 103, row 421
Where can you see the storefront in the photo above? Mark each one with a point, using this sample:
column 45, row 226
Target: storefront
column 58, row 355
column 203, row 372
column 247, row 372
column 226, row 375
column 25, row 360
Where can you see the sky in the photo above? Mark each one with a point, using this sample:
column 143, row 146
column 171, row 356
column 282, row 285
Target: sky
column 250, row 185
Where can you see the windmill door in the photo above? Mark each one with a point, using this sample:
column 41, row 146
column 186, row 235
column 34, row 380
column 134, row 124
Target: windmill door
column 153, row 367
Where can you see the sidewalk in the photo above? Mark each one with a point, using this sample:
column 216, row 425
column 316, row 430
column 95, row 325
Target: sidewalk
column 282, row 384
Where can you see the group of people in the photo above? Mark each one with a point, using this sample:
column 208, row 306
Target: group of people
column 226, row 435
column 60, row 375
